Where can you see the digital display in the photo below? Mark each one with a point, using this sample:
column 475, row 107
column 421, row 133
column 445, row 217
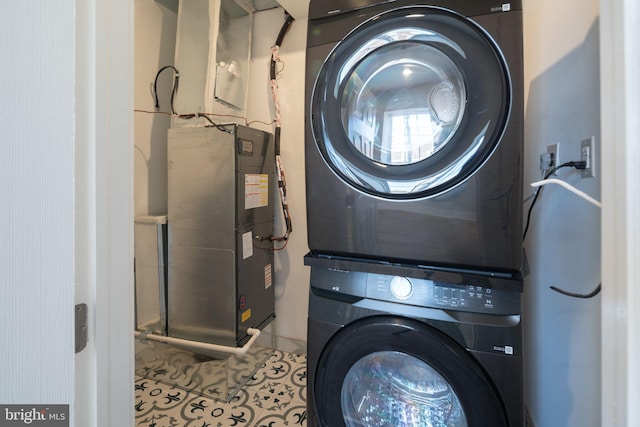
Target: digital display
column 450, row 285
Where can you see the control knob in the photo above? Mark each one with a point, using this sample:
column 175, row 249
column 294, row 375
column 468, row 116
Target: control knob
column 401, row 287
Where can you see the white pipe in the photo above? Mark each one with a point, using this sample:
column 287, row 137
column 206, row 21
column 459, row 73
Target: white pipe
column 569, row 187
column 255, row 333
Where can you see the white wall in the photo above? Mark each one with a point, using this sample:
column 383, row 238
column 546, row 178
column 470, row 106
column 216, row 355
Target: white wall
column 37, row 79
column 562, row 334
column 154, row 47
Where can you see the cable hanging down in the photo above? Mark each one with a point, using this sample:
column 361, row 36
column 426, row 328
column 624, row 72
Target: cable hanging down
column 577, row 165
column 282, row 182
column 591, row 294
column 189, row 116
column 154, row 88
column 540, row 185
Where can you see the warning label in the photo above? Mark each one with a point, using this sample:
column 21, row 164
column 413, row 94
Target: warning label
column 256, row 190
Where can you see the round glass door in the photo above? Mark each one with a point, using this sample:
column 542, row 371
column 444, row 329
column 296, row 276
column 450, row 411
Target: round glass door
column 384, row 371
column 411, row 102
column 391, row 388
column 403, row 101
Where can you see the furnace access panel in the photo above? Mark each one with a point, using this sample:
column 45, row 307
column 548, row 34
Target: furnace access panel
column 220, row 218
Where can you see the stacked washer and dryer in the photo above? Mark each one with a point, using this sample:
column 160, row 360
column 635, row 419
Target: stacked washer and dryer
column 413, row 148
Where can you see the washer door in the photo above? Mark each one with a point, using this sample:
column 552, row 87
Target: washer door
column 411, row 102
column 390, row 371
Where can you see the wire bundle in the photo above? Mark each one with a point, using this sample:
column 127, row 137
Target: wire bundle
column 540, row 186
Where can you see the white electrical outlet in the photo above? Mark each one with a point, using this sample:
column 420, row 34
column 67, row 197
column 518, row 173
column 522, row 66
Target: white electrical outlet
column 587, row 153
column 554, row 151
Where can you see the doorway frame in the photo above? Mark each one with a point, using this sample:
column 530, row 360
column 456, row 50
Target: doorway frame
column 112, row 334
column 104, row 370
column 620, row 89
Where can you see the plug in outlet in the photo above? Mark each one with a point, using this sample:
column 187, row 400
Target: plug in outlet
column 587, row 153
column 554, row 152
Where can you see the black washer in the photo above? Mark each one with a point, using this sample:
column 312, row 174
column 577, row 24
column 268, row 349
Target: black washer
column 465, row 392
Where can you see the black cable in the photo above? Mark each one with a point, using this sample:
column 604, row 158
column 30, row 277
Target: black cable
column 577, row 165
column 173, row 91
column 283, row 31
column 214, row 124
column 222, row 128
column 591, row 294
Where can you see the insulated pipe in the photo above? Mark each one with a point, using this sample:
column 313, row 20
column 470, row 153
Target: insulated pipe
column 255, row 333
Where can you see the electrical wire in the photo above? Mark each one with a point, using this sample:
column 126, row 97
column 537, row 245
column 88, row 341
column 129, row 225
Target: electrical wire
column 569, row 187
column 174, row 91
column 260, row 121
column 282, row 182
column 244, row 119
column 537, row 194
column 195, row 115
column 283, row 247
column 152, row 112
column 577, row 165
column 214, row 124
column 591, row 294
column 176, row 79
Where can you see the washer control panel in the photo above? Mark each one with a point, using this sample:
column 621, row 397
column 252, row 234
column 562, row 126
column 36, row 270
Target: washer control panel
column 418, row 292
column 427, row 293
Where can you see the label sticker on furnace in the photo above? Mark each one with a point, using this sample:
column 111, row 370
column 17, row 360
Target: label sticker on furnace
column 247, row 245
column 256, row 190
column 267, row 276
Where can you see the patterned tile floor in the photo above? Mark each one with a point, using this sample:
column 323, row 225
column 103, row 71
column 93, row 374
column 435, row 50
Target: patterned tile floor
column 275, row 396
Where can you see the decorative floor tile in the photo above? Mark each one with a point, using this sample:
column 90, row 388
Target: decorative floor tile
column 294, row 416
column 155, row 397
column 295, row 384
column 203, row 412
column 275, row 396
column 275, row 370
column 215, row 375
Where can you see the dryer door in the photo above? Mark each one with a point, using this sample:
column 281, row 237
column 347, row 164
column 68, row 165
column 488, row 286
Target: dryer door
column 391, row 371
column 411, row 102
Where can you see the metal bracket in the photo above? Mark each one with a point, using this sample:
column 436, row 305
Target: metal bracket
column 82, row 329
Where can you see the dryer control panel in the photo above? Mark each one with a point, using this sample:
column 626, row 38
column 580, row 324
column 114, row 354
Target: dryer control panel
column 428, row 293
column 461, row 296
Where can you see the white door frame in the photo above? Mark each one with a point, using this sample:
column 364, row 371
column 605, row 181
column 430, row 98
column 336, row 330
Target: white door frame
column 104, row 394
column 620, row 101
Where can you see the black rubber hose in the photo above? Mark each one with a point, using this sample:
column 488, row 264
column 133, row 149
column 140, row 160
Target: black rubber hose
column 285, row 27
